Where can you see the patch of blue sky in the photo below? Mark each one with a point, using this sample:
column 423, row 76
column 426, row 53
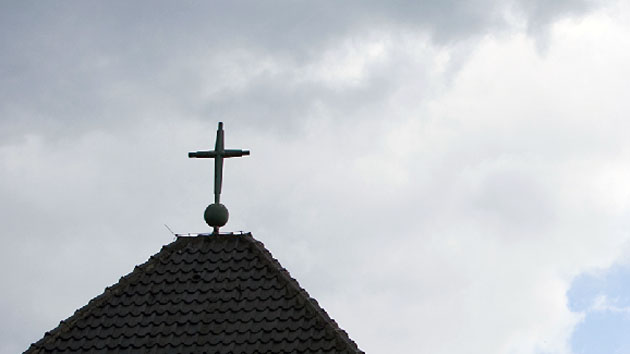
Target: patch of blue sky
column 604, row 298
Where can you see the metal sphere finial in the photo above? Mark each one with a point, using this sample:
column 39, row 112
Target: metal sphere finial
column 216, row 215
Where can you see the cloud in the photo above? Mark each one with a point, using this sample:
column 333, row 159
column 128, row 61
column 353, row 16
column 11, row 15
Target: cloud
column 77, row 67
column 432, row 178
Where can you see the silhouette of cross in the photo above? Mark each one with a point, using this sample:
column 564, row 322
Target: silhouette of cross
column 218, row 154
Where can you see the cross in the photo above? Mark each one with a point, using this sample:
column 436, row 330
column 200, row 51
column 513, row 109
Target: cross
column 218, row 154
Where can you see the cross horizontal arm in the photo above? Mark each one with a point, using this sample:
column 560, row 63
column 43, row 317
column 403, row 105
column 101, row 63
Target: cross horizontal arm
column 235, row 153
column 203, row 154
column 213, row 154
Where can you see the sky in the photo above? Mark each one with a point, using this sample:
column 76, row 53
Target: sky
column 442, row 176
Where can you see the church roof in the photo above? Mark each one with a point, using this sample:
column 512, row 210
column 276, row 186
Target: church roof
column 212, row 294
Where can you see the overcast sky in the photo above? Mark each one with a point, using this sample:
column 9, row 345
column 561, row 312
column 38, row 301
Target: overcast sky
column 443, row 176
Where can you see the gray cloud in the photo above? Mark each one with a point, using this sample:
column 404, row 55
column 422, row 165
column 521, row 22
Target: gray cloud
column 399, row 155
column 78, row 66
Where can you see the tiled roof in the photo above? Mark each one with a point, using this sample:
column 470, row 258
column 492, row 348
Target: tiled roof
column 205, row 294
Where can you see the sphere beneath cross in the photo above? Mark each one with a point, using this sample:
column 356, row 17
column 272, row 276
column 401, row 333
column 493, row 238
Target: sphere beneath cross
column 216, row 215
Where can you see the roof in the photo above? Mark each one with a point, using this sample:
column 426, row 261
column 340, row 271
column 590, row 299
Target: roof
column 213, row 294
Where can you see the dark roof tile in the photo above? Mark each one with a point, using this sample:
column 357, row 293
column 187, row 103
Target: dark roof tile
column 213, row 294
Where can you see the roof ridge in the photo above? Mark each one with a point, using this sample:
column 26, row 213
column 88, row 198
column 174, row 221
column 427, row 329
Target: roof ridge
column 311, row 302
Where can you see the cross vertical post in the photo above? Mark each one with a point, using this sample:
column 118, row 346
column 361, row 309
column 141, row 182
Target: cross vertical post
column 216, row 215
column 219, row 148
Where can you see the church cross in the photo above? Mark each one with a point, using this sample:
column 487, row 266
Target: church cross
column 218, row 154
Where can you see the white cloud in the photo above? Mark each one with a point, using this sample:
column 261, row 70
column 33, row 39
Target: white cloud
column 436, row 196
column 510, row 189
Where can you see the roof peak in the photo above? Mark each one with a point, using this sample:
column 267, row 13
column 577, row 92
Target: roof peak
column 206, row 234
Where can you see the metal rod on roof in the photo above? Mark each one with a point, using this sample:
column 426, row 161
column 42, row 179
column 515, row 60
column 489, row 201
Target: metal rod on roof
column 216, row 215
